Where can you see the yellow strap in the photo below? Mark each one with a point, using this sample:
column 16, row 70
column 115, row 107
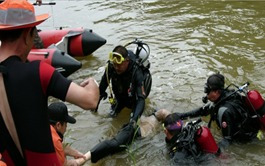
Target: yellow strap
column 260, row 135
column 107, row 75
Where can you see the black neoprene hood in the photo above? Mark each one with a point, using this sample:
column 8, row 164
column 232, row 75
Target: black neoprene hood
column 216, row 81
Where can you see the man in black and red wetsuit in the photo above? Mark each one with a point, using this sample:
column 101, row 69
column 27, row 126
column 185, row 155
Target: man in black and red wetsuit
column 28, row 86
column 227, row 108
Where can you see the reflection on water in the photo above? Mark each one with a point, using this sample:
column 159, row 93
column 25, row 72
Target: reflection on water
column 188, row 39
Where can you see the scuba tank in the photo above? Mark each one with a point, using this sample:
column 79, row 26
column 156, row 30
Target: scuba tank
column 205, row 140
column 140, row 55
column 141, row 52
column 192, row 133
column 255, row 103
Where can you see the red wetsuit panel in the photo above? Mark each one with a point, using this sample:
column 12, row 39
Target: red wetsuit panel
column 46, row 72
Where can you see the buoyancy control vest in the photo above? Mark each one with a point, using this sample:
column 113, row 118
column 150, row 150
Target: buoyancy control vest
column 121, row 83
column 193, row 140
column 232, row 103
column 244, row 121
column 140, row 56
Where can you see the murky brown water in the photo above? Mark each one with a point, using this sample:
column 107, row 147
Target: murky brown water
column 188, row 39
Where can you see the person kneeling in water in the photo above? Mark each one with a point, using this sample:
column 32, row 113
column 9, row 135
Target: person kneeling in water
column 147, row 125
column 188, row 143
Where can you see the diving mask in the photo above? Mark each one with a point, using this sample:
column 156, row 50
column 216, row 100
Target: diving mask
column 207, row 89
column 116, row 57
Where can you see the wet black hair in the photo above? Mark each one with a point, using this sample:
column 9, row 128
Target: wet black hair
column 173, row 123
column 13, row 35
column 122, row 50
column 216, row 82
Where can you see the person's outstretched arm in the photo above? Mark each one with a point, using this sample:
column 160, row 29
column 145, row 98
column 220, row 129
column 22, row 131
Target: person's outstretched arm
column 86, row 95
column 69, row 151
column 105, row 80
column 201, row 111
column 191, row 114
column 140, row 96
column 54, row 84
column 80, row 158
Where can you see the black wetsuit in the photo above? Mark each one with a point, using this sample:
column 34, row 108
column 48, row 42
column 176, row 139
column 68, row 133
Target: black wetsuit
column 116, row 144
column 129, row 92
column 127, row 87
column 28, row 86
column 231, row 115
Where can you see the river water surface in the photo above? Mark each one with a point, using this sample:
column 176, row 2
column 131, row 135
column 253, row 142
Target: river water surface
column 188, row 39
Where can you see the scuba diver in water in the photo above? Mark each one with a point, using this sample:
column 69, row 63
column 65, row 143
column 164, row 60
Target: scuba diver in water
column 127, row 75
column 228, row 109
column 190, row 143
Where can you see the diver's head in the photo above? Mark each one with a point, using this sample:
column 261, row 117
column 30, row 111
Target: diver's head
column 120, row 59
column 214, row 86
column 172, row 125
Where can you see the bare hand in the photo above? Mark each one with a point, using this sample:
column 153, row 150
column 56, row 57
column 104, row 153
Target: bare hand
column 71, row 162
column 69, row 151
column 79, row 155
column 87, row 81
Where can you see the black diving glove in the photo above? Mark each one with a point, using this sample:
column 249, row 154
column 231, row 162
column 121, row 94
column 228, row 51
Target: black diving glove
column 103, row 96
column 192, row 114
column 133, row 123
column 201, row 111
